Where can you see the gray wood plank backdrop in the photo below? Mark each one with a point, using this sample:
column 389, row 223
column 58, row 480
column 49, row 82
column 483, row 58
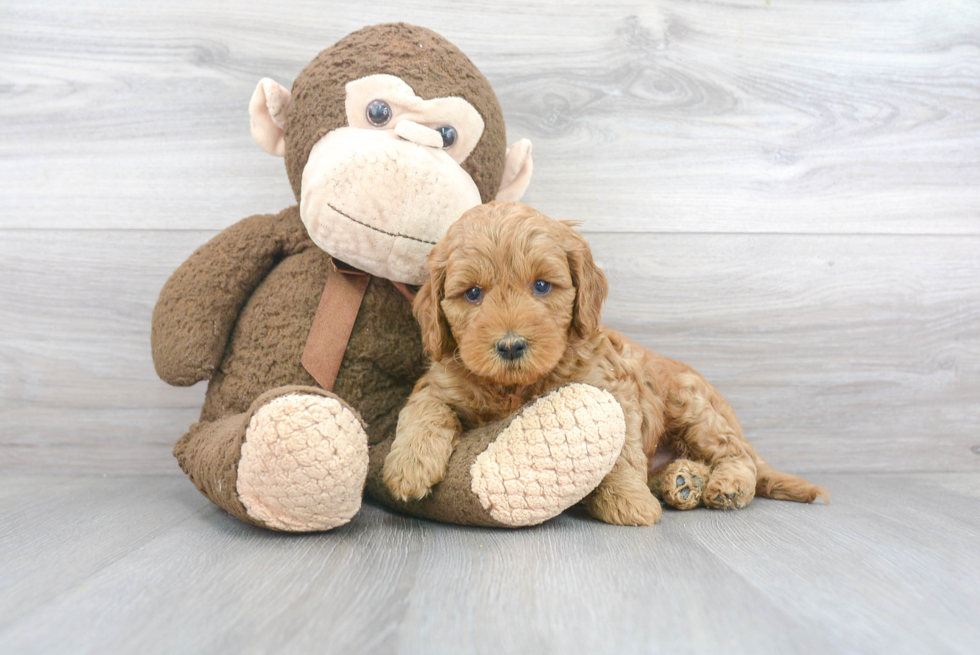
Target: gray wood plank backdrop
column 785, row 195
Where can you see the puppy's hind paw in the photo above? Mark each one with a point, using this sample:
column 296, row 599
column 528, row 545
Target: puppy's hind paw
column 725, row 492
column 624, row 509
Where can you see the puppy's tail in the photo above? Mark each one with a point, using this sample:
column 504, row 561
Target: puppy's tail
column 771, row 483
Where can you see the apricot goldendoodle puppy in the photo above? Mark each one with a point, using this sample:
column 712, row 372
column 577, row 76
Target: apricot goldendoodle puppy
column 511, row 311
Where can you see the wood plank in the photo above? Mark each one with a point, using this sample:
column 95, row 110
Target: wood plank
column 889, row 551
column 343, row 584
column 816, row 116
column 77, row 386
column 58, row 530
column 840, row 353
column 886, row 568
column 624, row 591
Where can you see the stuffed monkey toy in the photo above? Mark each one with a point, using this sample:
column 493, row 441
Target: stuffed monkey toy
column 301, row 321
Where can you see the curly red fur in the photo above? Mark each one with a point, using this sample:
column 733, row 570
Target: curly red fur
column 502, row 249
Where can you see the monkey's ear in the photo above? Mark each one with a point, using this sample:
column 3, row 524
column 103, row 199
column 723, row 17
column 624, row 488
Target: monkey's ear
column 517, row 171
column 267, row 111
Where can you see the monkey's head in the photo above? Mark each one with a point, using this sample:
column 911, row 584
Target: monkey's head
column 389, row 136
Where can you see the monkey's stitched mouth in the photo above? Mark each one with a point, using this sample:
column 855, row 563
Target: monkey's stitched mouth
column 371, row 227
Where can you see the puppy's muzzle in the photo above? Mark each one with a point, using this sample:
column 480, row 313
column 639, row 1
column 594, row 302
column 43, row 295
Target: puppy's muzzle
column 511, row 348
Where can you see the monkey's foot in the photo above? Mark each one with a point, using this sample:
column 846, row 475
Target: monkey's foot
column 680, row 483
column 303, row 463
column 552, row 455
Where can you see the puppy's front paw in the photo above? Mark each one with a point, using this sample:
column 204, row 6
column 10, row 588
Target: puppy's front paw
column 410, row 477
column 631, row 508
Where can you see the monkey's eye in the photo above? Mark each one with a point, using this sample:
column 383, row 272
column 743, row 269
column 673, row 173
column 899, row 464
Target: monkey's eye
column 378, row 113
column 542, row 288
column 473, row 294
column 448, row 133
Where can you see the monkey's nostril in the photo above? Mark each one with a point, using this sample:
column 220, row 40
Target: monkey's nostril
column 511, row 348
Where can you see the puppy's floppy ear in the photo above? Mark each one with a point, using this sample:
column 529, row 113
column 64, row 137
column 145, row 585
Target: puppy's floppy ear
column 591, row 286
column 437, row 338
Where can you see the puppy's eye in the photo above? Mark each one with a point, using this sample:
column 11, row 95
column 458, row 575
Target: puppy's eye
column 542, row 288
column 378, row 113
column 473, row 294
column 448, row 135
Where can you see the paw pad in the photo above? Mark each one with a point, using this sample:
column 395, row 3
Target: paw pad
column 681, row 487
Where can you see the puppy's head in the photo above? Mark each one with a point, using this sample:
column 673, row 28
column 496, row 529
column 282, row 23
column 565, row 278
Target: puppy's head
column 508, row 291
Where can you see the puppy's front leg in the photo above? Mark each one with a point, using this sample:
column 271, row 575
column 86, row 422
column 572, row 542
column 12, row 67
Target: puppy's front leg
column 424, row 440
column 623, row 497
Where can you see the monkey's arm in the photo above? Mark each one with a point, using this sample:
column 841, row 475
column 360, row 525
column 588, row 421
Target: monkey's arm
column 201, row 301
column 522, row 470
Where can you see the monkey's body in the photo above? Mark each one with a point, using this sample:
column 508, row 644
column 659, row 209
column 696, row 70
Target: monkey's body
column 264, row 348
column 383, row 359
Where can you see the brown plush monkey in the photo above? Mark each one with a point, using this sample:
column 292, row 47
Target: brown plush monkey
column 302, row 322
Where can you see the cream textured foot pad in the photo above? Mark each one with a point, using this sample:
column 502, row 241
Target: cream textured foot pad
column 550, row 456
column 303, row 464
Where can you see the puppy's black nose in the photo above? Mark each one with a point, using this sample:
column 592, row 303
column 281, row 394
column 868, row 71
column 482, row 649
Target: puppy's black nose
column 511, row 348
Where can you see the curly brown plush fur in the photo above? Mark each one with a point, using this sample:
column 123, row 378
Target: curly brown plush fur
column 511, row 311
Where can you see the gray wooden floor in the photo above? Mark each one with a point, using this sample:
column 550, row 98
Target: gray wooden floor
column 125, row 565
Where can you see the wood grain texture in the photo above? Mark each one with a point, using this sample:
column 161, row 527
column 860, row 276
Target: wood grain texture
column 838, row 352
column 785, row 195
column 146, row 564
column 58, row 531
column 810, row 116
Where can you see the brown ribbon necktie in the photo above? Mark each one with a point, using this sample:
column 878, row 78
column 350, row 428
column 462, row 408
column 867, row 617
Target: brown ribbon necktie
column 334, row 322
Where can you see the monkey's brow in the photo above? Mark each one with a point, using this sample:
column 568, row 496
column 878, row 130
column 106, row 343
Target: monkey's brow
column 371, row 227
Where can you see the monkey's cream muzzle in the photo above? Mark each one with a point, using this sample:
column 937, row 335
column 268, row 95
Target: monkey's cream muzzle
column 380, row 202
column 381, row 191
